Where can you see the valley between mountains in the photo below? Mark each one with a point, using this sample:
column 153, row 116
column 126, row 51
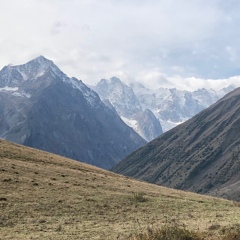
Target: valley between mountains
column 42, row 108
column 200, row 155
column 58, row 135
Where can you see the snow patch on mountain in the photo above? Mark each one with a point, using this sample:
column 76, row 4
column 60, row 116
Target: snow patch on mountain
column 128, row 106
column 8, row 89
column 130, row 122
column 13, row 76
column 22, row 94
column 88, row 93
column 171, row 106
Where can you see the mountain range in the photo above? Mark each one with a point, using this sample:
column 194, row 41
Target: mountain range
column 127, row 105
column 42, row 107
column 200, row 155
column 152, row 112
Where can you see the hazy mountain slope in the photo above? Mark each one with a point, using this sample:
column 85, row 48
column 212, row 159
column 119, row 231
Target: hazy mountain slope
column 170, row 106
column 120, row 95
column 201, row 155
column 41, row 107
column 45, row 196
column 147, row 125
column 173, row 106
column 123, row 99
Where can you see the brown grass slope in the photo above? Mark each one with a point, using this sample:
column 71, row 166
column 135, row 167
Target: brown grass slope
column 45, row 196
column 201, row 155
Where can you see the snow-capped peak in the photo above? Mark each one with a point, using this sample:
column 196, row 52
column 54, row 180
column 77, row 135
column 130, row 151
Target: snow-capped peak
column 13, row 76
column 38, row 67
column 42, row 60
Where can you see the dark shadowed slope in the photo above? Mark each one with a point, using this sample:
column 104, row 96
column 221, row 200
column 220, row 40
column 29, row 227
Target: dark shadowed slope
column 200, row 155
column 43, row 108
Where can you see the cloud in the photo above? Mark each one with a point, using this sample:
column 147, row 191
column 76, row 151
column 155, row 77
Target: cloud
column 232, row 52
column 152, row 40
column 155, row 79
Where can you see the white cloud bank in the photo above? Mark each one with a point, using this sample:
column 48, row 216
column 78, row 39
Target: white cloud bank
column 154, row 80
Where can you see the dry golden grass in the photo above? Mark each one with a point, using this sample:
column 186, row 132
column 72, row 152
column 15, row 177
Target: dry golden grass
column 44, row 196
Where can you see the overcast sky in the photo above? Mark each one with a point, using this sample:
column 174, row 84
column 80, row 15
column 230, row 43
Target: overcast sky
column 157, row 42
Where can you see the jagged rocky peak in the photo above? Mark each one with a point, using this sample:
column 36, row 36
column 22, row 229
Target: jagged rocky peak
column 112, row 80
column 115, row 80
column 119, row 95
column 13, row 76
column 39, row 66
column 112, row 83
column 47, row 110
column 42, row 60
column 226, row 89
column 123, row 98
column 40, row 63
column 105, row 86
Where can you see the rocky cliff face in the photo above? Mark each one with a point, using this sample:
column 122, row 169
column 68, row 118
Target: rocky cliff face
column 120, row 95
column 173, row 106
column 201, row 155
column 147, row 125
column 169, row 106
column 43, row 108
column 127, row 105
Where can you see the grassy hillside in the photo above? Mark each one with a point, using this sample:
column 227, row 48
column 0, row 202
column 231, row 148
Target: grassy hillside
column 44, row 196
column 201, row 155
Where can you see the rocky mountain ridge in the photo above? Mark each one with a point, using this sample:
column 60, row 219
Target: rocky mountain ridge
column 127, row 105
column 170, row 106
column 200, row 155
column 43, row 108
